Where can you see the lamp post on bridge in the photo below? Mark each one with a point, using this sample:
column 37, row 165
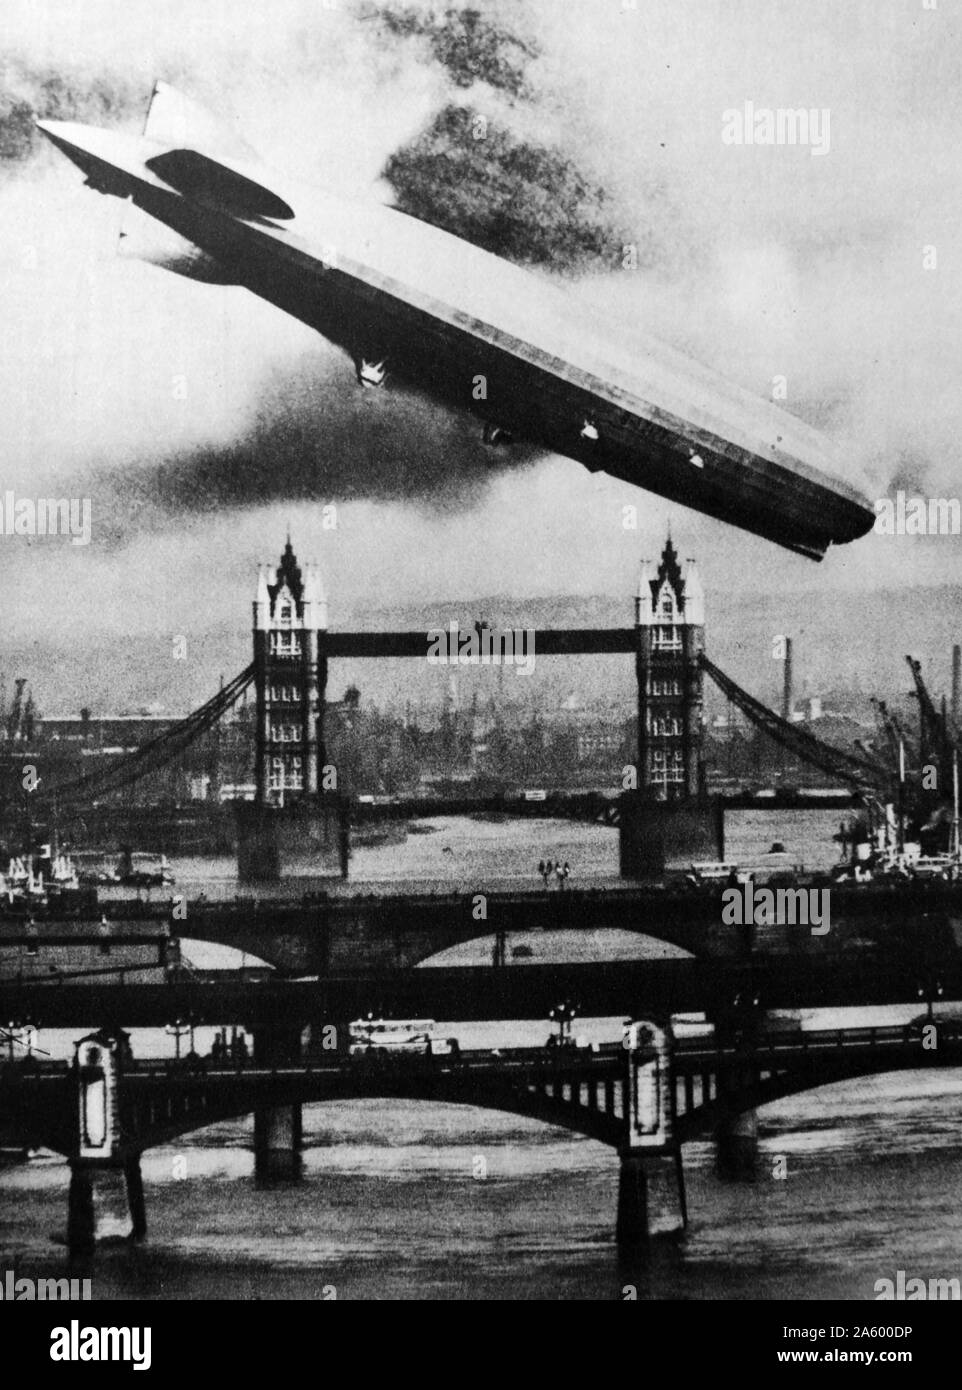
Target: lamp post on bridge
column 564, row 1015
column 926, row 992
column 176, row 1030
column 21, row 1033
column 745, row 1014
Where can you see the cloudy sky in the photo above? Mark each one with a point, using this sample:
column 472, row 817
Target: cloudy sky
column 201, row 422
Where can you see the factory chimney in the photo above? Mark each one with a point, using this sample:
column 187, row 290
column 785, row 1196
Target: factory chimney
column 956, row 684
column 788, row 693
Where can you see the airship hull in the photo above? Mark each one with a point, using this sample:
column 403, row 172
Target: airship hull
column 482, row 335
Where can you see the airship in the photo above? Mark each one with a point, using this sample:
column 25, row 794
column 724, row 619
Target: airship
column 418, row 307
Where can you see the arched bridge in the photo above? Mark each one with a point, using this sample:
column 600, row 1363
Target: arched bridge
column 643, row 1100
column 580, row 1089
column 358, row 932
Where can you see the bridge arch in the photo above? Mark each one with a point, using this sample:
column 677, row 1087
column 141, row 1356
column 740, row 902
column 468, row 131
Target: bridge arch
column 377, row 933
column 557, row 946
column 159, row 1108
column 558, row 1115
column 765, row 1085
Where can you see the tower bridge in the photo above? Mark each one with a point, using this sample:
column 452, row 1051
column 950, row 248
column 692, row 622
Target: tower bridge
column 298, row 822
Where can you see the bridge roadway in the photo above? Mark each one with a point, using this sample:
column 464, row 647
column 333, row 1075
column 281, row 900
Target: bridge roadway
column 354, row 928
column 633, row 989
column 594, row 805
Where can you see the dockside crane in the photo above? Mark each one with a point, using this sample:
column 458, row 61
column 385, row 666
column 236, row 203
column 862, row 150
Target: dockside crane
column 935, row 743
column 887, row 734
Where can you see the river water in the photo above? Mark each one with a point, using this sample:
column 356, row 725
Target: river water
column 470, row 853
column 409, row 1200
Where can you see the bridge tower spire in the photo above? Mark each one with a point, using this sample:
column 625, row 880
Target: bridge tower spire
column 290, row 680
column 670, row 622
column 297, row 826
column 666, row 819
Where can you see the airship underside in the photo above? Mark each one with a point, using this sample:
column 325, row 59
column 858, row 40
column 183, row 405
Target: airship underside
column 415, row 304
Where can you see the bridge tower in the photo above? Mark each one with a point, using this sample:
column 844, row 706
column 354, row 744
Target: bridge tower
column 297, row 826
column 667, row 817
column 290, row 681
column 670, row 623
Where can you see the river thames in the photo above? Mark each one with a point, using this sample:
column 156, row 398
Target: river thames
column 405, row 1200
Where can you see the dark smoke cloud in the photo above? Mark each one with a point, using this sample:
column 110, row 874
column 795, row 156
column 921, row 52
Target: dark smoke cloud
column 474, row 169
column 468, row 46
column 316, row 437
column 27, row 90
column 523, row 201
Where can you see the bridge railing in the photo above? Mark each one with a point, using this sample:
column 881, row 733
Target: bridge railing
column 600, row 1057
column 817, row 1040
column 487, row 1059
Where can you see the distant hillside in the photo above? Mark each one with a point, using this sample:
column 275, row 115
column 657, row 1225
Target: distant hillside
column 857, row 643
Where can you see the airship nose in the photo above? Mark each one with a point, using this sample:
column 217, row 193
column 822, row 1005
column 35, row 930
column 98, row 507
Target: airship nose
column 55, row 130
column 68, row 137
column 103, row 155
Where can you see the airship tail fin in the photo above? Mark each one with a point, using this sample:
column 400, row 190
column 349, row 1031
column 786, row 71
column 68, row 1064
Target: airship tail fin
column 182, row 123
column 207, row 158
column 177, row 121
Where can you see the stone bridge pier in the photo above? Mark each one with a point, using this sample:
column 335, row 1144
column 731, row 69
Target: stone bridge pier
column 278, row 1124
column 651, row 1179
column 736, row 1128
column 106, row 1195
column 740, row 1030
